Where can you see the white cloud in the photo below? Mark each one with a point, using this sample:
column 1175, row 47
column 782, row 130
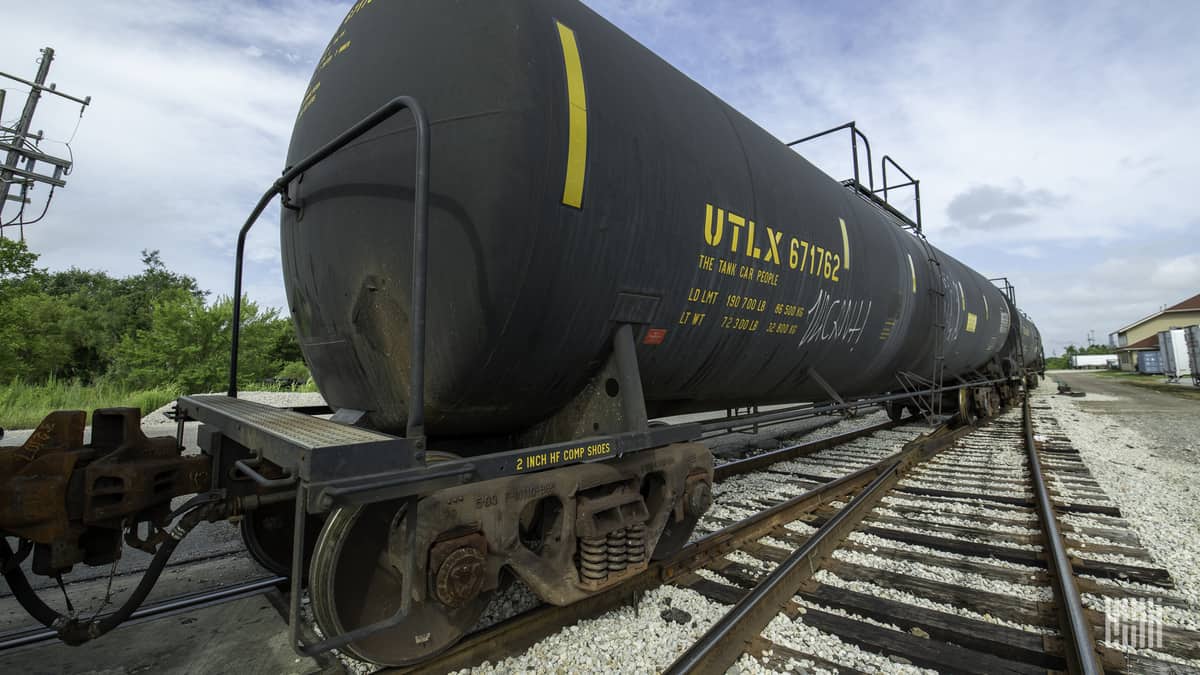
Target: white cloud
column 191, row 114
column 1093, row 107
column 193, row 105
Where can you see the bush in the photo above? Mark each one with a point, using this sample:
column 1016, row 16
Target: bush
column 296, row 371
column 187, row 345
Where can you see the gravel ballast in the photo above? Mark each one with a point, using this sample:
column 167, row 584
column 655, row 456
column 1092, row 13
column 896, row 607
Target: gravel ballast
column 1155, row 487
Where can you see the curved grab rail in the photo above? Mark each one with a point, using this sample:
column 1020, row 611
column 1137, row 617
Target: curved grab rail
column 416, row 412
column 855, row 134
column 916, row 185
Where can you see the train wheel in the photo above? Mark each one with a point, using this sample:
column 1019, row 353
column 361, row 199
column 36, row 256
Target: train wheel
column 268, row 532
column 895, row 410
column 356, row 578
column 965, row 412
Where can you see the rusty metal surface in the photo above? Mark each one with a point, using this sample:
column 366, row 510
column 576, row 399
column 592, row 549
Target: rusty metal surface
column 72, row 501
column 520, row 632
column 579, row 503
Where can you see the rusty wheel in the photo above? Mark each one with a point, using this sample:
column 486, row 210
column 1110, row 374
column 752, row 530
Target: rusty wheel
column 356, row 577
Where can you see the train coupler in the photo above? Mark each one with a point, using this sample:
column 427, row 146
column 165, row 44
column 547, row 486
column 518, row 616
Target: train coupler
column 73, row 500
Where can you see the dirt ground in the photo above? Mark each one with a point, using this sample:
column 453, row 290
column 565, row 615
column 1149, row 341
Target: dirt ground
column 1171, row 422
column 1143, row 446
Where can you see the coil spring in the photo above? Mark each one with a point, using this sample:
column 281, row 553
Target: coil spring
column 617, row 557
column 593, row 558
column 635, row 543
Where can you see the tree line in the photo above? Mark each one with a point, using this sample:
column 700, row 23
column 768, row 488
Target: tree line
column 151, row 329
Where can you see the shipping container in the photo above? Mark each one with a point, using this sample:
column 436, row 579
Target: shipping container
column 1149, row 363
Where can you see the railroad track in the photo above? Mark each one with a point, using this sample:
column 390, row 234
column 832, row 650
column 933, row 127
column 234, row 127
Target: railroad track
column 275, row 587
column 169, row 607
column 952, row 568
column 855, row 558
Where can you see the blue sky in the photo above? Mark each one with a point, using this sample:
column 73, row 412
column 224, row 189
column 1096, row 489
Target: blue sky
column 1056, row 142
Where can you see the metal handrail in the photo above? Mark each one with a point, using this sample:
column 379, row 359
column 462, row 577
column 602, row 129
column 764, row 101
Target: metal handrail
column 416, row 407
column 855, row 134
column 916, row 185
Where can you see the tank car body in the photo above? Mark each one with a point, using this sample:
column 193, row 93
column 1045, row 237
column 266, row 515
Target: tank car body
column 608, row 241
column 579, row 181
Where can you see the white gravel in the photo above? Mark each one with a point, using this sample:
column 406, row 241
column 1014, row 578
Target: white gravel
column 830, row 579
column 1157, row 493
column 944, row 519
column 1174, row 616
column 805, row 638
column 964, row 507
column 514, row 600
column 947, row 575
column 628, row 640
column 957, row 537
column 874, row 542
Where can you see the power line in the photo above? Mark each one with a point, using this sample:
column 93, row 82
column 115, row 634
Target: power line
column 21, row 146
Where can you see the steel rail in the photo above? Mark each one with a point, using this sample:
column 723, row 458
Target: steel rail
column 748, row 464
column 518, row 633
column 1077, row 630
column 29, row 636
column 725, row 641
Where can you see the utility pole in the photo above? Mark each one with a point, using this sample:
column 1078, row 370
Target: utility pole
column 21, row 145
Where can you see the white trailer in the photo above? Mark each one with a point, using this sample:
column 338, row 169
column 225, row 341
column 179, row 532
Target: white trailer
column 1173, row 346
column 1094, row 361
column 1192, row 337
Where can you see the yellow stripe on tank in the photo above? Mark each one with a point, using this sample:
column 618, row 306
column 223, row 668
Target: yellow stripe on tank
column 577, row 120
column 845, row 245
column 913, row 271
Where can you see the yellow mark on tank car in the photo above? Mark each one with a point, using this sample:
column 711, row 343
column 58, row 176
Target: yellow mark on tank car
column 913, row 271
column 817, row 261
column 971, row 321
column 576, row 121
column 845, row 245
column 310, row 97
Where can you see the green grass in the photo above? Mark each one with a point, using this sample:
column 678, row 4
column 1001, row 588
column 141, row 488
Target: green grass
column 1122, row 373
column 22, row 406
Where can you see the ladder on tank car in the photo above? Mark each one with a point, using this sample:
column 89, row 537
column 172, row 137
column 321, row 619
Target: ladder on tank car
column 930, row 403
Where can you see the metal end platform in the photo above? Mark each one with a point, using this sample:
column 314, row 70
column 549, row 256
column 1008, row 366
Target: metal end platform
column 316, row 448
